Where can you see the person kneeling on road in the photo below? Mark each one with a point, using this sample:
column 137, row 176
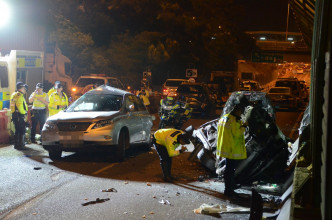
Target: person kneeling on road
column 166, row 141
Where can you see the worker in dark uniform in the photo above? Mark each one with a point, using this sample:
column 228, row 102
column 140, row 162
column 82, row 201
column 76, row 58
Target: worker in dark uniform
column 166, row 141
column 38, row 113
column 19, row 109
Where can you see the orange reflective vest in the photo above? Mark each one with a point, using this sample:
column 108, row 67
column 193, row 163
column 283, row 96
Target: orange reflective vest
column 231, row 143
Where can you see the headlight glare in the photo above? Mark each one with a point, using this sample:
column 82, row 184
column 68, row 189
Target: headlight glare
column 102, row 123
column 49, row 125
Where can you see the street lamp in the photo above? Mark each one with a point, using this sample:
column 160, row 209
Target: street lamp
column 5, row 13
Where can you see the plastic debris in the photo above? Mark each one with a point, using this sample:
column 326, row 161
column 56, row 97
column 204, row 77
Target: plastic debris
column 164, row 202
column 37, row 168
column 109, row 190
column 95, row 202
column 209, row 209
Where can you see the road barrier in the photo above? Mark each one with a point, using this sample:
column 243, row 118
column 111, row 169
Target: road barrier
column 5, row 126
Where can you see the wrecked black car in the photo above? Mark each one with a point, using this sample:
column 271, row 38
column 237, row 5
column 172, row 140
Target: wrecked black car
column 268, row 149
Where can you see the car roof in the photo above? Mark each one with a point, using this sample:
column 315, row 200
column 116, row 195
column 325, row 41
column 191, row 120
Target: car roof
column 176, row 80
column 292, row 79
column 193, row 84
column 249, row 81
column 98, row 77
column 280, row 87
column 108, row 90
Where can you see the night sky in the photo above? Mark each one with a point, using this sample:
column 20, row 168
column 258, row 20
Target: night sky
column 267, row 15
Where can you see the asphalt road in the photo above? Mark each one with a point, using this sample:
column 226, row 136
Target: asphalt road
column 35, row 187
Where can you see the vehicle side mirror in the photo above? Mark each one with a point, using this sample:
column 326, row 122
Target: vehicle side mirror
column 131, row 108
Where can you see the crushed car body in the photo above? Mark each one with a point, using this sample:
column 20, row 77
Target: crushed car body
column 269, row 151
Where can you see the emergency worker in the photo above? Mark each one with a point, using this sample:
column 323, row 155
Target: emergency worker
column 58, row 100
column 144, row 95
column 19, row 109
column 168, row 100
column 181, row 107
column 53, row 89
column 166, row 141
column 231, row 142
column 38, row 114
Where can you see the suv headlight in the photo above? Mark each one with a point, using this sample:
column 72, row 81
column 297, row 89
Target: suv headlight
column 103, row 123
column 50, row 125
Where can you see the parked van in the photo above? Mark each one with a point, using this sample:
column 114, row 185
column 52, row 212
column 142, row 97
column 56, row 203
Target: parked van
column 171, row 85
column 86, row 83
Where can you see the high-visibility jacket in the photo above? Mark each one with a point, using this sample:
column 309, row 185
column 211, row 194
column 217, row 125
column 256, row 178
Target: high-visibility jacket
column 230, row 143
column 37, row 104
column 168, row 138
column 49, row 93
column 56, row 102
column 144, row 97
column 18, row 103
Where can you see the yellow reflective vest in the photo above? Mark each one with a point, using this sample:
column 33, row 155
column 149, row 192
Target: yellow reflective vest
column 56, row 102
column 37, row 104
column 231, row 143
column 49, row 93
column 168, row 138
column 18, row 103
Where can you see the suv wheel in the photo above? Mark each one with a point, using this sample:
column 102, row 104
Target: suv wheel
column 55, row 154
column 123, row 144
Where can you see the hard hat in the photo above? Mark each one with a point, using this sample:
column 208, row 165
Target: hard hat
column 19, row 85
column 57, row 82
column 39, row 86
column 58, row 85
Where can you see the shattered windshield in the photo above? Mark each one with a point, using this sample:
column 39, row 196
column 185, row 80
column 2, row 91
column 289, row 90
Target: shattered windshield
column 93, row 102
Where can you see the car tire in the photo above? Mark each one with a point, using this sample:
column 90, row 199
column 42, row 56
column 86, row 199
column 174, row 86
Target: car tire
column 207, row 159
column 123, row 144
column 55, row 154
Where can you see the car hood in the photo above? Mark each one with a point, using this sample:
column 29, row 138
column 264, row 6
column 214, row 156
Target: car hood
column 82, row 116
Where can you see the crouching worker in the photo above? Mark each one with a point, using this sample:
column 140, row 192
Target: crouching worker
column 166, row 141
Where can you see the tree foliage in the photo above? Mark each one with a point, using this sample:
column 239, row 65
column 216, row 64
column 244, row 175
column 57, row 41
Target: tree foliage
column 125, row 37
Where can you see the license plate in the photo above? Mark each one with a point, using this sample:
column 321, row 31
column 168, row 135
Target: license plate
column 76, row 138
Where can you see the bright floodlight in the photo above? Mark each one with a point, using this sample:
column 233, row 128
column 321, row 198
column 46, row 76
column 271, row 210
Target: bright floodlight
column 4, row 13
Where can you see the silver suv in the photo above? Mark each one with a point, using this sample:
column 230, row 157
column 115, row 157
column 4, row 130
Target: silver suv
column 102, row 119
